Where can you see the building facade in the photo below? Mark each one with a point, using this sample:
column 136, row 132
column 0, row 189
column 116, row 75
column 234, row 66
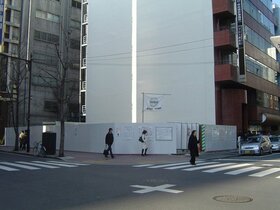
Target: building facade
column 168, row 48
column 139, row 49
column 48, row 33
column 247, row 91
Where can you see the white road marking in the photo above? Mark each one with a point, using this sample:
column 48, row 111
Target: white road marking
column 20, row 166
column 70, row 163
column 144, row 165
column 56, row 164
column 243, row 170
column 37, row 164
column 266, row 172
column 268, row 165
column 277, row 160
column 239, row 159
column 161, row 188
column 189, row 165
column 5, row 168
column 227, row 168
column 204, row 167
column 167, row 165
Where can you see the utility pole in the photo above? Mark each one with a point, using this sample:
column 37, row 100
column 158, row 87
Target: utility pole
column 29, row 102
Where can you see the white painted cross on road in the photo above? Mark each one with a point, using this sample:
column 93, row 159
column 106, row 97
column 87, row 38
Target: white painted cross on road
column 161, row 188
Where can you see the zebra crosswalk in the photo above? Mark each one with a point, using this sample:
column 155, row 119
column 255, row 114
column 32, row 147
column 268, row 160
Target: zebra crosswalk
column 36, row 165
column 228, row 168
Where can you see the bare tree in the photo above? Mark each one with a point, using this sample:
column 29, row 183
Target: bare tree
column 64, row 88
column 14, row 80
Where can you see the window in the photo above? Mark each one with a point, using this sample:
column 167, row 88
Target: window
column 42, row 36
column 47, row 16
column 15, row 34
column 16, row 17
column 268, row 101
column 76, row 4
column 267, row 3
column 50, row 106
column 258, row 41
column 45, row 59
column 38, row 80
column 3, row 72
column 261, row 70
column 6, row 47
column 75, row 24
column 8, row 15
column 254, row 12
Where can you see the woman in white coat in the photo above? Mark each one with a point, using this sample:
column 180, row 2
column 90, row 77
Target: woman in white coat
column 144, row 143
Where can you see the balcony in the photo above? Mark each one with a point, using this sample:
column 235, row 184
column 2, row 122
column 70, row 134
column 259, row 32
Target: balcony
column 225, row 39
column 225, row 72
column 223, row 7
column 85, row 1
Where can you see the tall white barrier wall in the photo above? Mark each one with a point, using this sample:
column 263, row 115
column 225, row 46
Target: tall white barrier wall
column 163, row 138
column 218, row 137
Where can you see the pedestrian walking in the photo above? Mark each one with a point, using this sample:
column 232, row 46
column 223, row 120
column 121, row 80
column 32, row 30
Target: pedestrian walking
column 109, row 140
column 21, row 139
column 143, row 139
column 193, row 147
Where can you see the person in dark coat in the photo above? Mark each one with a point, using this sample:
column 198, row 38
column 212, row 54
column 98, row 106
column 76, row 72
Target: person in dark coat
column 109, row 140
column 192, row 146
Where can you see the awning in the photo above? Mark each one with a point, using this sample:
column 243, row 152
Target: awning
column 270, row 119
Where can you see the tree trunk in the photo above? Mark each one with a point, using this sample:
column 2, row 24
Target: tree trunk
column 62, row 135
column 62, row 120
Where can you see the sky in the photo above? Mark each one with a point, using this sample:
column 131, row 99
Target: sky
column 276, row 1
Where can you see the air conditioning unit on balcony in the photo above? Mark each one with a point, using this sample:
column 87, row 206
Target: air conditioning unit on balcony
column 84, row 63
column 85, row 18
column 84, row 83
column 84, row 109
column 85, row 39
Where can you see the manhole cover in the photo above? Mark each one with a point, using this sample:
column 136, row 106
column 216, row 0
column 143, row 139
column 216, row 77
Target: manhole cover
column 232, row 199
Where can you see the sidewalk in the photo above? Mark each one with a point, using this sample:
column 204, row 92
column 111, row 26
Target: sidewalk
column 98, row 158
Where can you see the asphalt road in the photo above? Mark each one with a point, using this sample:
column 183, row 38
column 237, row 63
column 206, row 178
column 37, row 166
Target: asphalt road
column 61, row 186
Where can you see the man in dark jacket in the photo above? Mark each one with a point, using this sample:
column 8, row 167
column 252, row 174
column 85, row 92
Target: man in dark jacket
column 192, row 146
column 109, row 140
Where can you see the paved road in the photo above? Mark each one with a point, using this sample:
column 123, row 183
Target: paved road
column 39, row 183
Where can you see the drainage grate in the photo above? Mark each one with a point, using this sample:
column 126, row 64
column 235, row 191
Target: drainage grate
column 233, row 199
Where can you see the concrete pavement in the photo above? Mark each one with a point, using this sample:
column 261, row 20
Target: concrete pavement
column 126, row 159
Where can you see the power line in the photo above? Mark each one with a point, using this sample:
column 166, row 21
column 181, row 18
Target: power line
column 153, row 54
column 155, row 64
column 151, row 49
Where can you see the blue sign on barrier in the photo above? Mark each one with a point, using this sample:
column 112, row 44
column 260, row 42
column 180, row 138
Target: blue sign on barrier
column 1, row 19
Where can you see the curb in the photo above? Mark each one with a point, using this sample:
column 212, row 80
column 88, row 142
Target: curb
column 29, row 154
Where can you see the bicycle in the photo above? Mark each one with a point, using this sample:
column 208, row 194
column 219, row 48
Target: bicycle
column 39, row 149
